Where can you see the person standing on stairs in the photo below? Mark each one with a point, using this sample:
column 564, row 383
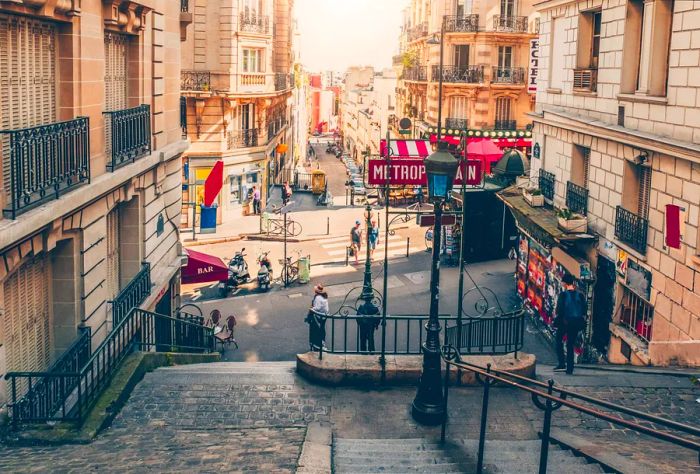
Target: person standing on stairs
column 569, row 321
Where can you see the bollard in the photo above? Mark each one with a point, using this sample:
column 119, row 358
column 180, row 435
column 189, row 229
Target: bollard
column 408, row 243
column 347, row 256
column 328, row 225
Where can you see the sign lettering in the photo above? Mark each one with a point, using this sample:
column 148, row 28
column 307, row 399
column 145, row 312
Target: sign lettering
column 203, row 270
column 534, row 66
column 411, row 172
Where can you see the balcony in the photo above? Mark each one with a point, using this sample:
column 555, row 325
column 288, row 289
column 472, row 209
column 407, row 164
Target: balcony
column 44, row 162
column 585, row 80
column 418, row 31
column 245, row 138
column 546, row 184
column 457, row 123
column 631, row 229
column 576, row 198
column 397, row 60
column 283, row 81
column 459, row 74
column 461, row 24
column 128, row 135
column 251, row 22
column 510, row 24
column 275, row 125
column 507, row 75
column 416, row 73
column 504, row 125
column 195, row 81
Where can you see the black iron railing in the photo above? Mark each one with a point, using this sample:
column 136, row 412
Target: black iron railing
column 489, row 335
column 631, row 229
column 44, row 162
column 132, row 295
column 576, row 198
column 275, row 126
column 195, row 80
column 72, row 394
column 510, row 24
column 546, row 184
column 462, row 24
column 504, row 124
column 282, row 81
column 459, row 74
column 549, row 397
column 457, row 123
column 243, row 138
column 418, row 31
column 252, row 22
column 416, row 73
column 183, row 116
column 636, row 314
column 129, row 136
column 184, row 6
column 508, row 75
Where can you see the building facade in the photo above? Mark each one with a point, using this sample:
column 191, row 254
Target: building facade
column 486, row 75
column 90, row 157
column 237, row 81
column 617, row 126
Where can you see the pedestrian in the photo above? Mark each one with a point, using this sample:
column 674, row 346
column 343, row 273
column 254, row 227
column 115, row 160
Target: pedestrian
column 368, row 322
column 316, row 318
column 418, row 192
column 286, row 193
column 256, row 200
column 373, row 233
column 356, row 240
column 570, row 320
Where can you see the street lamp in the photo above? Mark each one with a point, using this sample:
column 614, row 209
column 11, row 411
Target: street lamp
column 428, row 408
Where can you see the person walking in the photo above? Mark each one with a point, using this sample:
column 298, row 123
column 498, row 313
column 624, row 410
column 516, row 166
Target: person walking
column 286, row 193
column 569, row 321
column 356, row 241
column 368, row 323
column 373, row 237
column 316, row 318
column 256, row 200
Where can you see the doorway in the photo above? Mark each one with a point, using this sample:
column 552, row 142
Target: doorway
column 603, row 304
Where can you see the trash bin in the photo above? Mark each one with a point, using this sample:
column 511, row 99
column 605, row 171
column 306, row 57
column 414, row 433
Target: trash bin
column 265, row 226
column 207, row 220
column 304, row 269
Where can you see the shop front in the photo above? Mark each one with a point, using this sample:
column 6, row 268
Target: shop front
column 239, row 190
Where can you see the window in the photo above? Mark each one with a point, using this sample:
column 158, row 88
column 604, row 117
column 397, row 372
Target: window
column 459, row 107
column 508, row 8
column 252, row 60
column 505, row 56
column 461, row 56
column 251, row 7
column 589, row 26
column 636, row 314
column 503, row 114
column 116, row 46
column 580, row 158
column 463, row 7
column 556, row 53
column 636, row 189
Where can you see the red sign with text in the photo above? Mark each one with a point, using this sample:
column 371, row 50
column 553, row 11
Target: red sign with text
column 407, row 172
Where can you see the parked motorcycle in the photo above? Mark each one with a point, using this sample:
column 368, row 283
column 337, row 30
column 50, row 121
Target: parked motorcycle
column 237, row 273
column 264, row 272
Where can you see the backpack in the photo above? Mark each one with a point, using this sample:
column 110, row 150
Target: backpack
column 355, row 235
column 574, row 305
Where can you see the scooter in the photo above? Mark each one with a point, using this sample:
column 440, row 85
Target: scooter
column 237, row 273
column 264, row 272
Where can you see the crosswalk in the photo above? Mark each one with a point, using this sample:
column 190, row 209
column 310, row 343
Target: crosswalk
column 396, row 246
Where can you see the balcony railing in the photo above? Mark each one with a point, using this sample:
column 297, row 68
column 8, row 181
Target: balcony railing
column 397, row 60
column 508, row 75
column 184, row 6
column 462, row 24
column 418, row 31
column 510, row 24
column 183, row 116
column 251, row 22
column 132, row 295
column 576, row 198
column 195, row 80
column 282, row 81
column 243, row 138
column 636, row 314
column 631, row 229
column 504, row 124
column 457, row 123
column 129, row 135
column 586, row 80
column 459, row 74
column 275, row 126
column 546, row 184
column 416, row 73
column 44, row 162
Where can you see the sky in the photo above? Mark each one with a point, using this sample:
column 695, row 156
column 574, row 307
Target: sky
column 336, row 34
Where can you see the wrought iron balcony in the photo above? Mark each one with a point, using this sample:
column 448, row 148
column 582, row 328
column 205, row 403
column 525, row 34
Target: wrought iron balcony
column 546, row 184
column 253, row 22
column 275, row 125
column 195, row 80
column 128, row 135
column 44, row 162
column 508, row 75
column 282, row 81
column 576, row 198
column 586, row 80
column 459, row 74
column 631, row 229
column 462, row 24
column 457, row 123
column 416, row 73
column 504, row 125
column 132, row 295
column 418, row 31
column 245, row 138
column 510, row 24
column 183, row 116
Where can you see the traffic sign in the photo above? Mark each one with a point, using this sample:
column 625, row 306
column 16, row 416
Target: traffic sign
column 405, row 123
column 427, row 220
column 287, row 207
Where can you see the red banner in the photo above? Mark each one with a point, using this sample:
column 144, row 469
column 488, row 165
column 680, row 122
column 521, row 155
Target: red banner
column 407, row 172
column 673, row 226
column 213, row 183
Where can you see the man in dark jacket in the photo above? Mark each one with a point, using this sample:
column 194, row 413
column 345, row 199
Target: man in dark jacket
column 570, row 320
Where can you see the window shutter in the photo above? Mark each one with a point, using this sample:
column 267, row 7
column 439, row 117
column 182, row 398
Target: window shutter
column 586, row 155
column 502, row 109
column 644, row 191
column 115, row 71
column 113, row 253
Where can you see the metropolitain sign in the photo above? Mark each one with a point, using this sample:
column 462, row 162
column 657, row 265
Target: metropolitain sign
column 411, row 172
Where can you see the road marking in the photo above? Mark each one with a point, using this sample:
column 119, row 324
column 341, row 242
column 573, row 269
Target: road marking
column 418, row 278
column 295, row 295
column 345, row 241
column 339, row 290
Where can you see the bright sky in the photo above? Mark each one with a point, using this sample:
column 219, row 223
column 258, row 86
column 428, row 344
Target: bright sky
column 336, row 34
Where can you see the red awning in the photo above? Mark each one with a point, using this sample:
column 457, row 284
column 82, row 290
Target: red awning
column 407, row 148
column 202, row 268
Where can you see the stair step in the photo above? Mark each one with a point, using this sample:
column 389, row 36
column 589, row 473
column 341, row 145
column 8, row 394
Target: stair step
column 445, row 468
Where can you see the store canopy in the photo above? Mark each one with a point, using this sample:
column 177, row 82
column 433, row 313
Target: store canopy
column 202, row 268
column 407, row 148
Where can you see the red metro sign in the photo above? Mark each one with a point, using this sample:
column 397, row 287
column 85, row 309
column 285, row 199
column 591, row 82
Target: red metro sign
column 411, row 172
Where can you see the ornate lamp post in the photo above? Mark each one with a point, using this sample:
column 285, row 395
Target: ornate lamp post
column 428, row 408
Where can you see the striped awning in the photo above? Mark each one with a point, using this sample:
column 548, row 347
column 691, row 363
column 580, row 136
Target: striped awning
column 407, row 148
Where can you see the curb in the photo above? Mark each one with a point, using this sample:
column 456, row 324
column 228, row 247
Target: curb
column 315, row 457
column 609, row 460
column 219, row 240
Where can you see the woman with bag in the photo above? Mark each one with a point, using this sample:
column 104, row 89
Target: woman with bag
column 316, row 319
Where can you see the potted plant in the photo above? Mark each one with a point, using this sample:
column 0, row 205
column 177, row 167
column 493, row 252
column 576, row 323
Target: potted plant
column 533, row 196
column 205, row 87
column 570, row 221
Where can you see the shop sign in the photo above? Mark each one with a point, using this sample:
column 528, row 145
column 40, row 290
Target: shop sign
column 638, row 279
column 411, row 172
column 536, row 150
column 534, row 66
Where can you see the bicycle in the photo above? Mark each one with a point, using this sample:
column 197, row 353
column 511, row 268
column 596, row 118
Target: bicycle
column 290, row 270
column 429, row 238
column 276, row 227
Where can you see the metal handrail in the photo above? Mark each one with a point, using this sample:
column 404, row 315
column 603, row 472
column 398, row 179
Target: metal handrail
column 501, row 334
column 133, row 294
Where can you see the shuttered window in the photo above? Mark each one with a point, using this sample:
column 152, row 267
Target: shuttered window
column 27, row 78
column 115, row 70
column 644, row 192
column 503, row 106
column 458, row 107
column 26, row 319
column 113, row 276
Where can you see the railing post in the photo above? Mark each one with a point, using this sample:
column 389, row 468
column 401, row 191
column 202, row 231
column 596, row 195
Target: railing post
column 544, row 450
column 482, row 428
column 444, row 418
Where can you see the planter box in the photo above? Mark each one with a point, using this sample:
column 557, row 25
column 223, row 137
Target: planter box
column 534, row 200
column 575, row 225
